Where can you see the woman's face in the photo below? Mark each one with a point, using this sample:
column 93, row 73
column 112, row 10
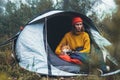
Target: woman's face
column 78, row 26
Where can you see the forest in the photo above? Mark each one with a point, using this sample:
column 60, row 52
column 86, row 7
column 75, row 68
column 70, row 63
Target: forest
column 16, row 13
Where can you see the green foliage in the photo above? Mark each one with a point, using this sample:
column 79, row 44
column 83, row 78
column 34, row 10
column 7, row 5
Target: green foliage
column 10, row 7
column 17, row 15
column 2, row 4
column 112, row 31
column 44, row 5
column 81, row 6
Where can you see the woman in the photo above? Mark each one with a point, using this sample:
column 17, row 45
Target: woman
column 78, row 41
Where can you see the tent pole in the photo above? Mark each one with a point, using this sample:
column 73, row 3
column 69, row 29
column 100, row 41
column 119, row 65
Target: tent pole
column 46, row 46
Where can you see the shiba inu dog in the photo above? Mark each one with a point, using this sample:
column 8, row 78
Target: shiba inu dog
column 65, row 49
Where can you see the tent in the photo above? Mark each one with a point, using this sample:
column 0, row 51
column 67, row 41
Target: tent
column 36, row 43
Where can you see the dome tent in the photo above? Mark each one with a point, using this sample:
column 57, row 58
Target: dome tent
column 36, row 43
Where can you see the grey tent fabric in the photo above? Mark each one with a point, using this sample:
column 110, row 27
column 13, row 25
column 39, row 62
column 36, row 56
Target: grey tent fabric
column 30, row 54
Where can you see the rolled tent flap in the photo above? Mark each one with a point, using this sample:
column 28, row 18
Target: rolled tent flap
column 30, row 49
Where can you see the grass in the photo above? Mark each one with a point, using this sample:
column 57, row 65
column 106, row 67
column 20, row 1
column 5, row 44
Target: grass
column 10, row 70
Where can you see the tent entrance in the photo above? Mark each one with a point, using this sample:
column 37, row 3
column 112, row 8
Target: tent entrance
column 57, row 26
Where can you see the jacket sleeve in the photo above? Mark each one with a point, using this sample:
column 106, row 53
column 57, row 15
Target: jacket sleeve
column 63, row 41
column 86, row 47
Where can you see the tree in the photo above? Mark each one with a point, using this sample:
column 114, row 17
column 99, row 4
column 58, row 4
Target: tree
column 44, row 5
column 10, row 7
column 2, row 4
column 17, row 15
column 81, row 6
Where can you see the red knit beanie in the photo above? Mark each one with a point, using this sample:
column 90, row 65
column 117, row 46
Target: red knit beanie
column 76, row 19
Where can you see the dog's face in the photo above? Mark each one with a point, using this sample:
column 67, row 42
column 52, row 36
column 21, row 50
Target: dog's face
column 65, row 48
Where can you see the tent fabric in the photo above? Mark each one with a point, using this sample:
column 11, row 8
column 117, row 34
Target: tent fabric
column 36, row 43
column 29, row 52
column 45, row 15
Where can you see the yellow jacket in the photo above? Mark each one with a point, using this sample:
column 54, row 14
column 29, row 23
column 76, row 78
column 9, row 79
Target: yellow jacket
column 75, row 41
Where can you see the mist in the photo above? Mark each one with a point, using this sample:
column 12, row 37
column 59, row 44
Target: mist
column 102, row 8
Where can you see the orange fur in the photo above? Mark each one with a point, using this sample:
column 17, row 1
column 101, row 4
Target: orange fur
column 65, row 49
